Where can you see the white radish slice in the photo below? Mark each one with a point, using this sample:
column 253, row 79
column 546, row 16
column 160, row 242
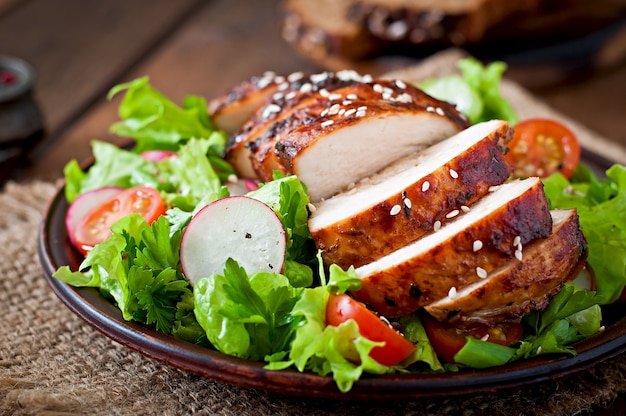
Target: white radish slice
column 240, row 227
column 83, row 204
column 586, row 279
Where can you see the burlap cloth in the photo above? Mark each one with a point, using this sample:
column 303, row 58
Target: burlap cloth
column 52, row 363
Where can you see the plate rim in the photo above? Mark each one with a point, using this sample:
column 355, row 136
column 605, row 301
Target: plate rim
column 102, row 315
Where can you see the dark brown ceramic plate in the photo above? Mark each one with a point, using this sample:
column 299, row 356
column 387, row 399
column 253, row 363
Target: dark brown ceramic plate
column 55, row 250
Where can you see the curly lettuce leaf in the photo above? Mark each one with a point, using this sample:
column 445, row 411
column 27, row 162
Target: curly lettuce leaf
column 601, row 204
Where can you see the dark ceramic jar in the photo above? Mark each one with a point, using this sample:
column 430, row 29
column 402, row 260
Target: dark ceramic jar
column 21, row 124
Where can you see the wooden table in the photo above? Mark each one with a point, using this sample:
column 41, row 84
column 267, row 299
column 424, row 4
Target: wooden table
column 80, row 49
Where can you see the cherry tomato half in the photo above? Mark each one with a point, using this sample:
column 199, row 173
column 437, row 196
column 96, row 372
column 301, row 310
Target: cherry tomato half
column 341, row 308
column 95, row 226
column 447, row 340
column 541, row 147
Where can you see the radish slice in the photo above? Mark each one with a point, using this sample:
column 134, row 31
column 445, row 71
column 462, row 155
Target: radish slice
column 83, row 204
column 241, row 186
column 586, row 279
column 157, row 155
column 240, row 227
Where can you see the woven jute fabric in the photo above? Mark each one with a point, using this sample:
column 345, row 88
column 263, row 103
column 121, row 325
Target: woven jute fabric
column 53, row 363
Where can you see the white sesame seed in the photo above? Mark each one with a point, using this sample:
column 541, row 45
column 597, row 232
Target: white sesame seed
column 454, row 174
column 367, row 78
column 311, row 207
column 346, row 102
column 465, row 208
column 439, row 111
column 425, row 186
column 334, row 109
column 404, row 98
column 277, row 96
column 264, row 82
column 269, row 74
column 343, row 110
column 306, row 87
column 484, row 337
column 452, row 293
column 407, row 203
column 437, row 226
column 539, row 350
column 327, row 123
column 324, row 113
column 477, row 245
column 400, row 84
column 290, row 95
column 395, row 210
column 430, row 109
column 270, row 110
column 602, row 328
column 317, row 78
column 352, row 97
column 452, row 213
column 324, row 92
column 517, row 241
column 480, row 272
column 349, row 112
column 387, row 96
column 362, row 108
column 335, row 96
column 378, row 88
column 387, row 90
column 348, row 74
column 283, row 86
column 360, row 113
column 279, row 79
column 518, row 255
column 294, row 76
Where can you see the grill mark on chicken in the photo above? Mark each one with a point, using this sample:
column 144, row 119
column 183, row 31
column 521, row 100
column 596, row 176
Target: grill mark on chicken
column 353, row 229
column 445, row 259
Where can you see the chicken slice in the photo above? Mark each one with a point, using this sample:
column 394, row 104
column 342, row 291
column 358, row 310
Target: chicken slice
column 458, row 254
column 523, row 284
column 296, row 89
column 230, row 111
column 357, row 131
column 395, row 207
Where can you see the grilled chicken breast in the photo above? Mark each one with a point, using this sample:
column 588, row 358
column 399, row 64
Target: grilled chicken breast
column 458, row 254
column 400, row 204
column 523, row 284
column 357, row 131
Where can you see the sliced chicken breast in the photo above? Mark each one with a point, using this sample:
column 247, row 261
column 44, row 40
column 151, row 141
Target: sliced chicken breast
column 357, row 131
column 458, row 254
column 523, row 284
column 400, row 204
column 230, row 111
column 295, row 90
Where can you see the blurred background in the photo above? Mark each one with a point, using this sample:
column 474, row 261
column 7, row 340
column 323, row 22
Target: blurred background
column 570, row 53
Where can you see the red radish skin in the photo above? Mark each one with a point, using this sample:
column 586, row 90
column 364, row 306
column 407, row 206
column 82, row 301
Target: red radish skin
column 240, row 227
column 83, row 204
column 240, row 187
column 157, row 155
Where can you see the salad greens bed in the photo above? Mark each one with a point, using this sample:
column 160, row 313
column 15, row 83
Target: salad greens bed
column 280, row 318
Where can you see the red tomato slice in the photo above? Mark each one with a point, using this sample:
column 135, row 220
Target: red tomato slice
column 95, row 226
column 341, row 308
column 541, row 147
column 447, row 340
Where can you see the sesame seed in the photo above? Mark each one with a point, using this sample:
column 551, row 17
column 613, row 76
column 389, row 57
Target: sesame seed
column 279, row 79
column 477, row 245
column 400, row 84
column 334, row 109
column 437, row 226
column 352, row 97
column 263, row 82
column 517, row 241
column 349, row 112
column 602, row 328
column 407, row 203
column 425, row 186
column 539, row 350
column 387, row 90
column 518, row 254
column 360, row 113
column 366, row 78
column 270, row 110
column 465, row 208
column 348, row 74
column 269, row 74
column 346, row 102
column 454, row 174
column 335, row 96
column 324, row 113
column 343, row 110
column 452, row 293
column 430, row 109
column 283, row 86
column 387, row 96
column 327, row 123
column 324, row 92
column 452, row 213
column 484, row 337
column 311, row 207
column 306, row 87
column 317, row 78
column 395, row 210
column 290, row 95
column 378, row 88
column 295, row 76
column 362, row 108
column 482, row 273
column 404, row 98
column 439, row 111
column 277, row 96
